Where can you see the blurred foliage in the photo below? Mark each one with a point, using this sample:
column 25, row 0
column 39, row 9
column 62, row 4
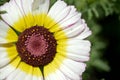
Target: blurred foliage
column 3, row 1
column 92, row 11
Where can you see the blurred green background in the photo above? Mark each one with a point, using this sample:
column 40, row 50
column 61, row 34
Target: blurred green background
column 103, row 18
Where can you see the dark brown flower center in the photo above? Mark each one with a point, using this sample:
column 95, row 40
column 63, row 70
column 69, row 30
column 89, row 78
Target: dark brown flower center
column 36, row 46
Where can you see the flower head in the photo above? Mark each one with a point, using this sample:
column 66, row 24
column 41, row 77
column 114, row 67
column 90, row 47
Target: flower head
column 42, row 43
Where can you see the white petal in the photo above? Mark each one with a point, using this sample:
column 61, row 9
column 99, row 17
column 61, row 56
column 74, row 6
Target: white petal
column 58, row 12
column 56, row 75
column 75, row 46
column 60, row 16
column 78, row 50
column 4, row 62
column 70, row 31
column 84, row 34
column 60, row 75
column 17, row 75
column 72, row 13
column 12, row 14
column 40, row 6
column 39, row 74
column 74, row 66
column 57, row 8
column 5, row 71
column 12, row 75
column 76, row 57
column 28, row 77
column 3, row 53
column 66, row 17
column 37, row 78
column 79, row 47
column 4, row 33
column 67, row 71
column 20, row 74
column 5, row 57
column 70, row 20
column 25, row 6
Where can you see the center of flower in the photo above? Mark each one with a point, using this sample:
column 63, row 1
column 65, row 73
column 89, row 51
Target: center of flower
column 36, row 46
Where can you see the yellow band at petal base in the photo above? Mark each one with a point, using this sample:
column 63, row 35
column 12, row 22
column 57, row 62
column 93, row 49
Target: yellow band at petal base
column 54, row 65
column 46, row 21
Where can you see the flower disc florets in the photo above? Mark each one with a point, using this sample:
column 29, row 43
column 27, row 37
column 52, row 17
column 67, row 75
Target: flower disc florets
column 36, row 46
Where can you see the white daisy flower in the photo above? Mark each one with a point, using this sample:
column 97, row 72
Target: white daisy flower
column 42, row 43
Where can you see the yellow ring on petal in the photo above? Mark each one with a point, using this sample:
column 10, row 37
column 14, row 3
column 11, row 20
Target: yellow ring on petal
column 16, row 62
column 26, row 68
column 48, row 69
column 11, row 36
column 24, row 23
column 11, row 51
column 30, row 20
column 47, row 22
column 37, row 72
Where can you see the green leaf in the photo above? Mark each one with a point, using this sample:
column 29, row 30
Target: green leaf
column 101, row 65
column 2, row 12
column 3, row 1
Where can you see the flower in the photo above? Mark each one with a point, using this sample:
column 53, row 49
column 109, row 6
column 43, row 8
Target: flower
column 38, row 43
